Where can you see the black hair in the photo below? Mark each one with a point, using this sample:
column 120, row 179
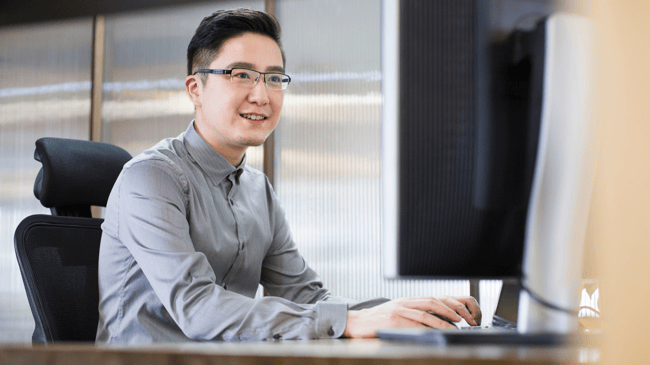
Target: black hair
column 223, row 25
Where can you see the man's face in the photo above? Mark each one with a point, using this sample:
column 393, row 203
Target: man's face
column 233, row 117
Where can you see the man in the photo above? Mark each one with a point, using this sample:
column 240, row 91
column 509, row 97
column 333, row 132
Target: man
column 191, row 231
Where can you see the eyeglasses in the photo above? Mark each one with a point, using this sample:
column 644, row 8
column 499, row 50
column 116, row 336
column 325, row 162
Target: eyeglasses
column 242, row 76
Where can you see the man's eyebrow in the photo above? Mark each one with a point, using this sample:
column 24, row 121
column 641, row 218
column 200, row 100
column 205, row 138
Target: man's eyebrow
column 249, row 66
column 279, row 69
column 240, row 65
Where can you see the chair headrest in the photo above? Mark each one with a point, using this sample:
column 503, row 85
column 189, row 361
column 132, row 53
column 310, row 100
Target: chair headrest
column 76, row 172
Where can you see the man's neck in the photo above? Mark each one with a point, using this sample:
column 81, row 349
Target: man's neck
column 233, row 155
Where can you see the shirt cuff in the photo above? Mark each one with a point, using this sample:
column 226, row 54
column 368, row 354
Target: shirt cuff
column 331, row 319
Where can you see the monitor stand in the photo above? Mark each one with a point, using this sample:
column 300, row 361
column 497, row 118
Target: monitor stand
column 556, row 222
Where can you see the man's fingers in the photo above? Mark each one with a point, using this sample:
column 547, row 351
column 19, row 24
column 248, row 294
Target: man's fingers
column 412, row 312
column 408, row 322
column 474, row 309
column 424, row 318
column 472, row 306
column 432, row 305
column 452, row 308
column 460, row 308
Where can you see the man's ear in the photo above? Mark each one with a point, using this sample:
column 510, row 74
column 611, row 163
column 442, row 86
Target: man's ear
column 193, row 86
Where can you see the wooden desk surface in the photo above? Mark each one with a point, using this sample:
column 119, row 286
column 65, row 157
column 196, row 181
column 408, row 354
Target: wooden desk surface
column 343, row 351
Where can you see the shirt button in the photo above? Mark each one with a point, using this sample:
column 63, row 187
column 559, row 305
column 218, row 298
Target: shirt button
column 330, row 332
column 242, row 246
column 232, row 202
column 277, row 337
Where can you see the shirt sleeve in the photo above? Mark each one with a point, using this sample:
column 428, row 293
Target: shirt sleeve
column 152, row 223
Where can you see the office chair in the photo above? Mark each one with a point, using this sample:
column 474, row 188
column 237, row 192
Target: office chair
column 58, row 254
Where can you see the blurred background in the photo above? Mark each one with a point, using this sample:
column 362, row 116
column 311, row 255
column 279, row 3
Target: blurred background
column 119, row 78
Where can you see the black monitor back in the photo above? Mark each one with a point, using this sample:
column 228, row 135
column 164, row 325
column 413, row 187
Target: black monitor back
column 459, row 159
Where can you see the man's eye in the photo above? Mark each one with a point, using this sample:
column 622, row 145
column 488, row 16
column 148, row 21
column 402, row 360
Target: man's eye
column 275, row 78
column 242, row 75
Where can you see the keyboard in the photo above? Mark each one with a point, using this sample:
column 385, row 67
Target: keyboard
column 497, row 323
column 500, row 331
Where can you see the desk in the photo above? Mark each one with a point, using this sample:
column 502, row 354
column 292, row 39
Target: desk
column 330, row 352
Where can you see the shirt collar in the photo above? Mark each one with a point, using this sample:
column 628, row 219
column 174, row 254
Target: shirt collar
column 215, row 166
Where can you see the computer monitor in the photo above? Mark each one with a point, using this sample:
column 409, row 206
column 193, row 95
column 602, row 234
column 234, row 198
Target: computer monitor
column 487, row 152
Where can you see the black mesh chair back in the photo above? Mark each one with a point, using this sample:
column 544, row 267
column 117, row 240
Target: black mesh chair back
column 58, row 260
column 58, row 254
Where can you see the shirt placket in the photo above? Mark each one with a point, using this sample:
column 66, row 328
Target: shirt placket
column 232, row 203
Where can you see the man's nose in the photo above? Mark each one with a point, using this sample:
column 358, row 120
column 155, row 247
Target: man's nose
column 259, row 93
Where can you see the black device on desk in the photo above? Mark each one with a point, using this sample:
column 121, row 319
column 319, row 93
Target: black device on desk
column 502, row 329
column 486, row 153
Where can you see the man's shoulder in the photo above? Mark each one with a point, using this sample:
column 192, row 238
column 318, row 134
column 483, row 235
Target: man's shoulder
column 166, row 160
column 252, row 174
column 170, row 151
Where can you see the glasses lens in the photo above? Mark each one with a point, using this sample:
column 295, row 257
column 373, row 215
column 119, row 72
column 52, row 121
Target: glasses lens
column 277, row 81
column 244, row 77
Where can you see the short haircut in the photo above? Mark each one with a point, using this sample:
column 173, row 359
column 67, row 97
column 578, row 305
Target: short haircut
column 223, row 25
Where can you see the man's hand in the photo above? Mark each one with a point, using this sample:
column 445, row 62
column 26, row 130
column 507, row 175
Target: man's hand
column 412, row 312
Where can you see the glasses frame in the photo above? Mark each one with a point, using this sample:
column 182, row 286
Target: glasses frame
column 229, row 72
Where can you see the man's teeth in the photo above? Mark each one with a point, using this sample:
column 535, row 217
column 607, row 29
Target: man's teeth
column 253, row 117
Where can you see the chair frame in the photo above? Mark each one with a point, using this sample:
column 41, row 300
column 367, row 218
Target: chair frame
column 47, row 328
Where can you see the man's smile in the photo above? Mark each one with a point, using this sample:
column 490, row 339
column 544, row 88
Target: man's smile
column 253, row 116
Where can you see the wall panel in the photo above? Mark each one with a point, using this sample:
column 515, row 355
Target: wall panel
column 44, row 92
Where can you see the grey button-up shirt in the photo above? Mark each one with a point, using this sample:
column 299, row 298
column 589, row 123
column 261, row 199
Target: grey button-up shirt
column 187, row 238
